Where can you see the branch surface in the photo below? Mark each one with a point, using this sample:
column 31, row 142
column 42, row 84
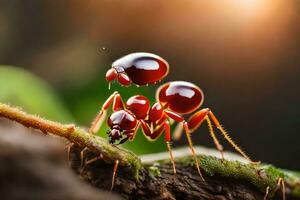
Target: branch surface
column 155, row 180
column 75, row 135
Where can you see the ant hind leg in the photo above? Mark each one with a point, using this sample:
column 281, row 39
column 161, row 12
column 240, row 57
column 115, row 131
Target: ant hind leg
column 228, row 138
column 189, row 139
column 213, row 135
column 196, row 120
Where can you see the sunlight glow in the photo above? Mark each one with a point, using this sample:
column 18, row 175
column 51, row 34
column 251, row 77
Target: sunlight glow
column 251, row 8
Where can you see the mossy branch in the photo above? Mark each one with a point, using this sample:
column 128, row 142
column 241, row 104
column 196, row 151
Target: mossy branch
column 75, row 135
column 225, row 179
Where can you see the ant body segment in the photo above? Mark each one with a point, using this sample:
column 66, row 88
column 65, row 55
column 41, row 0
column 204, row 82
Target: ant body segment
column 138, row 68
column 174, row 99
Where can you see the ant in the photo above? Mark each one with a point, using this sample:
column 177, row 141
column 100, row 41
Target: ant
column 139, row 68
column 174, row 99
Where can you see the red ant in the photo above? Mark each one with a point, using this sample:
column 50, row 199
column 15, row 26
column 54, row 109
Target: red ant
column 174, row 99
column 139, row 68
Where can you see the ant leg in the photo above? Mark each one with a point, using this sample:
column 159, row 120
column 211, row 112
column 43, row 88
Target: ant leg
column 179, row 128
column 130, row 134
column 188, row 135
column 89, row 162
column 117, row 102
column 168, row 138
column 178, row 131
column 69, row 146
column 213, row 135
column 114, row 174
column 180, row 119
column 82, row 156
column 146, row 129
column 267, row 193
column 280, row 184
column 195, row 121
column 174, row 116
column 227, row 137
column 153, row 135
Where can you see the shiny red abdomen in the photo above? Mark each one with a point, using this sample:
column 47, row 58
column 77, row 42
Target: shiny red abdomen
column 180, row 96
column 143, row 68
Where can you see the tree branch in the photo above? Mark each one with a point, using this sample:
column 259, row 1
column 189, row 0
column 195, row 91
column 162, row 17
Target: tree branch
column 75, row 135
column 224, row 179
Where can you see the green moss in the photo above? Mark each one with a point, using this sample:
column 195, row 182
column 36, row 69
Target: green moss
column 135, row 165
column 98, row 144
column 154, row 171
column 260, row 175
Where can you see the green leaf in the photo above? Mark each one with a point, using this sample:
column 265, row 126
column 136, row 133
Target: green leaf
column 21, row 88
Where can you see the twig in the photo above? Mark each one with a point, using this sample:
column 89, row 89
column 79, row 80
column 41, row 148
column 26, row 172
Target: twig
column 75, row 135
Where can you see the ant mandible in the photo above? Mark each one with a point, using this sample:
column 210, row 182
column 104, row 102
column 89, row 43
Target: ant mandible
column 174, row 99
column 139, row 68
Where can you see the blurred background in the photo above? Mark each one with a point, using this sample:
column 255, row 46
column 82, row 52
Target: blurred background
column 244, row 54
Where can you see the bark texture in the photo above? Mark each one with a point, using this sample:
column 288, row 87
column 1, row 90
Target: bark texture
column 186, row 184
column 34, row 167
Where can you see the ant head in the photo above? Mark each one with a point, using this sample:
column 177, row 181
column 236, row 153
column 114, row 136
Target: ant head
column 116, row 72
column 114, row 134
column 120, row 122
column 119, row 74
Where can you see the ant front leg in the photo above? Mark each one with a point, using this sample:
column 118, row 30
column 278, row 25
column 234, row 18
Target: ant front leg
column 130, row 134
column 117, row 102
